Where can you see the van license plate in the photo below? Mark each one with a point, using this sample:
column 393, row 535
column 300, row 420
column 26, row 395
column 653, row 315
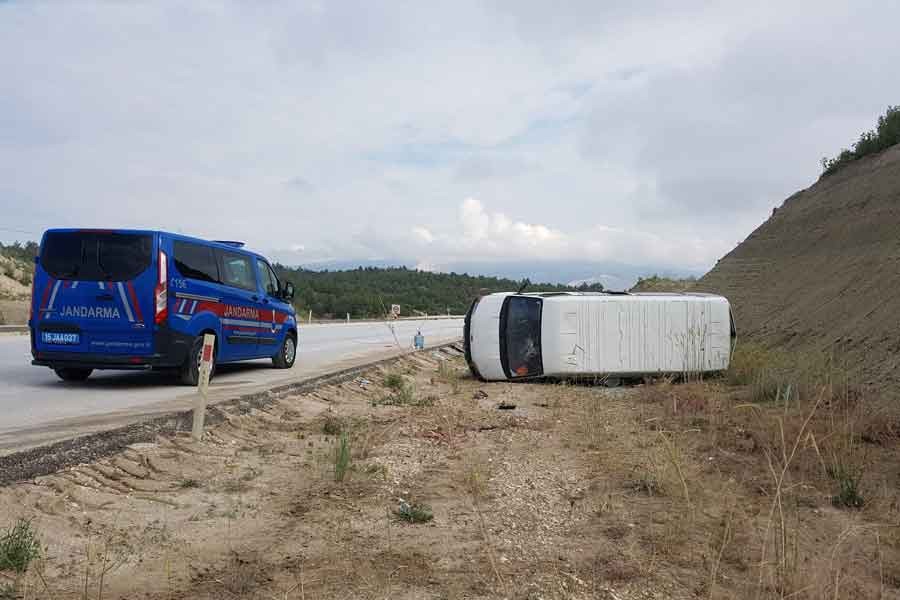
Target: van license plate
column 52, row 337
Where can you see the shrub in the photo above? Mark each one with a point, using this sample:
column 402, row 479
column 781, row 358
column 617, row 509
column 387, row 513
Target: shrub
column 414, row 512
column 885, row 135
column 19, row 546
column 394, row 381
column 333, row 424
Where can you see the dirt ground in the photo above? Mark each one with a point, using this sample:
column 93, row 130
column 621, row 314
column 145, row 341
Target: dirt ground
column 541, row 490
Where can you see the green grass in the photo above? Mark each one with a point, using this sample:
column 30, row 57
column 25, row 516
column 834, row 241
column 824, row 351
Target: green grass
column 19, row 546
column 394, row 381
column 414, row 512
column 342, row 457
column 188, row 483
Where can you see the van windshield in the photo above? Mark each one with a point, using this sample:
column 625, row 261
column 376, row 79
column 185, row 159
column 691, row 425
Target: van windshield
column 521, row 340
column 96, row 255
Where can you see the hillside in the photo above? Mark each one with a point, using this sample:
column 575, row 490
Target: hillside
column 15, row 283
column 370, row 291
column 822, row 273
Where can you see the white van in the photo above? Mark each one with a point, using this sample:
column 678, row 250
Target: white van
column 611, row 335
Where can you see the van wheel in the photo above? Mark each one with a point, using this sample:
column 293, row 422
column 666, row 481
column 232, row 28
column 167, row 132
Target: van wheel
column 287, row 354
column 190, row 371
column 69, row 374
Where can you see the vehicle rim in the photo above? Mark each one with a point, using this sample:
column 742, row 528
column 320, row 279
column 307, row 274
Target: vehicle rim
column 289, row 350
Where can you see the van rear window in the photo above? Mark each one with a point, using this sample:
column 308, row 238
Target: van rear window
column 96, row 256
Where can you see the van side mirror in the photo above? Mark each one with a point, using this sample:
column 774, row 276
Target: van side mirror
column 288, row 292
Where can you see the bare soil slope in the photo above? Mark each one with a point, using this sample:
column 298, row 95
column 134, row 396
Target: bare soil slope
column 823, row 272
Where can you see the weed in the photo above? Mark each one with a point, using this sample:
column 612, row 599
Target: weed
column 747, row 362
column 342, row 457
column 333, row 424
column 19, row 546
column 8, row 592
column 405, row 396
column 188, row 483
column 394, row 381
column 848, row 481
column 414, row 512
column 448, row 374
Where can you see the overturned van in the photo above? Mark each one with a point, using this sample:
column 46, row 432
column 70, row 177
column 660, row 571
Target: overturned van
column 512, row 336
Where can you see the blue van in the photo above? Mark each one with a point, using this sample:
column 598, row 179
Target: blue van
column 128, row 299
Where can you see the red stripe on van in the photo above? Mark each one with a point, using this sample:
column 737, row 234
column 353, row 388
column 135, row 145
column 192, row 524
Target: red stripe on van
column 134, row 302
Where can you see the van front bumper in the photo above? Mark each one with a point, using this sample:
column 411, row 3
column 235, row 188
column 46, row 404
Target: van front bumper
column 171, row 348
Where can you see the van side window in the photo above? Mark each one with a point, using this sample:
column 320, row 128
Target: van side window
column 196, row 262
column 236, row 270
column 268, row 278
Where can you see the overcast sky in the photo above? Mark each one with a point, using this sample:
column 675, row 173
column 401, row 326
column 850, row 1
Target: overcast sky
column 458, row 132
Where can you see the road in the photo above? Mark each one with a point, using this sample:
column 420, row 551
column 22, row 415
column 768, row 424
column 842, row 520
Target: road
column 37, row 408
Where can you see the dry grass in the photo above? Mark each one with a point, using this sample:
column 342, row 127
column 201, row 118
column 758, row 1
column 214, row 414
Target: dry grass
column 799, row 479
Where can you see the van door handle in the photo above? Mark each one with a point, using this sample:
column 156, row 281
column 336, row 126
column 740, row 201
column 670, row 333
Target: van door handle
column 254, row 298
column 265, row 300
column 105, row 297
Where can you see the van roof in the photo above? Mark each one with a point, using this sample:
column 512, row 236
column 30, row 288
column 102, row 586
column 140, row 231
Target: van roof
column 224, row 245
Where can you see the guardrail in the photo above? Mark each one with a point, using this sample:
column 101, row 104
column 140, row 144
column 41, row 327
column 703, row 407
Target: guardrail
column 303, row 321
column 13, row 328
column 24, row 328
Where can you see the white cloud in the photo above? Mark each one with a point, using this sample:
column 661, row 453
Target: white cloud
column 422, row 234
column 480, row 235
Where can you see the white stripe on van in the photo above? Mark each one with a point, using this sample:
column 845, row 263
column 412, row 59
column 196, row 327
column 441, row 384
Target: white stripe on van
column 53, row 295
column 193, row 307
column 125, row 301
column 74, row 284
column 100, row 284
column 181, row 306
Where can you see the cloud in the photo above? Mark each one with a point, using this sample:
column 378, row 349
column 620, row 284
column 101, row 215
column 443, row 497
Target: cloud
column 645, row 131
column 422, row 234
column 480, row 235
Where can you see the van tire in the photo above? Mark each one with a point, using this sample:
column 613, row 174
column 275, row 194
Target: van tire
column 287, row 354
column 72, row 374
column 190, row 371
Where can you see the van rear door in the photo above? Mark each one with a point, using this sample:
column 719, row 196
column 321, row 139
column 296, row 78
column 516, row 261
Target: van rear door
column 94, row 293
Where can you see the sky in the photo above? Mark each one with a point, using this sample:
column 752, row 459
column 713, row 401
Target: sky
column 583, row 136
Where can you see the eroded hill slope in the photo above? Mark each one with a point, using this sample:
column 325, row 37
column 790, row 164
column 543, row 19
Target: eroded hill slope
column 822, row 274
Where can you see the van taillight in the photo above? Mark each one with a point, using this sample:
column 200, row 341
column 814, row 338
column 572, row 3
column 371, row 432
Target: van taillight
column 160, row 296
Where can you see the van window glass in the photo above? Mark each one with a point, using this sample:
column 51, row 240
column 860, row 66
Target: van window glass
column 523, row 336
column 196, row 262
column 268, row 278
column 96, row 255
column 122, row 256
column 236, row 270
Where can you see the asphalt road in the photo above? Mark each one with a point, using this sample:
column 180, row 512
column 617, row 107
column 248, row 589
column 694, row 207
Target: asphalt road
column 36, row 407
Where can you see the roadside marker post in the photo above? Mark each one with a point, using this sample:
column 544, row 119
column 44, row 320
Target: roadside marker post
column 206, row 357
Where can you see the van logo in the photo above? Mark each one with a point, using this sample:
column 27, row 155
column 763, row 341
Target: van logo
column 241, row 312
column 90, row 312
